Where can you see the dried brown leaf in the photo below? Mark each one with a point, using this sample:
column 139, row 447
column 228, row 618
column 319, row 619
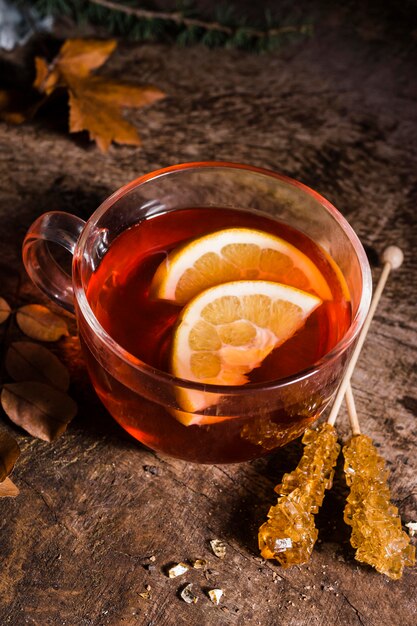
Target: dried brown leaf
column 42, row 73
column 95, row 103
column 95, row 106
column 5, row 310
column 46, row 79
column 38, row 322
column 80, row 56
column 103, row 122
column 115, row 93
column 8, row 489
column 77, row 56
column 41, row 410
column 9, row 453
column 30, row 361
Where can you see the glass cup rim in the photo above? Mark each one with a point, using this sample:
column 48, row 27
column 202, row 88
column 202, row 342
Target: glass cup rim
column 167, row 378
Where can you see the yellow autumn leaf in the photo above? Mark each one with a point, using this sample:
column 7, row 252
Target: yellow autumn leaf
column 80, row 56
column 46, row 79
column 95, row 103
column 98, row 113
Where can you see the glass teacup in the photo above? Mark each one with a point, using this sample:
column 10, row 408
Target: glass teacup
column 237, row 423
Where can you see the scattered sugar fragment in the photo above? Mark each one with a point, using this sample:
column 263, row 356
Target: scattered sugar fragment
column 215, row 595
column 218, row 547
column 187, row 594
column 178, row 570
column 146, row 595
column 151, row 469
column 412, row 528
column 199, row 564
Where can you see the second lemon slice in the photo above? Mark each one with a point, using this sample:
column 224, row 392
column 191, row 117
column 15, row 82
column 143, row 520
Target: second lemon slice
column 228, row 330
column 234, row 254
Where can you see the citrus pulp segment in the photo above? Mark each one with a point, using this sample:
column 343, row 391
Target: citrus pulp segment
column 234, row 254
column 228, row 330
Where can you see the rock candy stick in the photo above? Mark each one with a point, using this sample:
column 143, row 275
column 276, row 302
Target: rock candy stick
column 290, row 533
column 377, row 534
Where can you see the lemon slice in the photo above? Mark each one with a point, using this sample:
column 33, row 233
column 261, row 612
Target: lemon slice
column 234, row 254
column 228, row 330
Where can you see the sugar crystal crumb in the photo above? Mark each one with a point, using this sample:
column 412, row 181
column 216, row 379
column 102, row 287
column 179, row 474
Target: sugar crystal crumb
column 412, row 528
column 187, row 594
column 178, row 570
column 199, row 564
column 146, row 595
column 218, row 547
column 215, row 595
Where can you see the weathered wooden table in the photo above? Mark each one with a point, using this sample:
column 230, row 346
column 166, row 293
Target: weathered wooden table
column 99, row 517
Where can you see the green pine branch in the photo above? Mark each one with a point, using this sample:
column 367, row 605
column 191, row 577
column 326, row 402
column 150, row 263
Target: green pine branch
column 183, row 25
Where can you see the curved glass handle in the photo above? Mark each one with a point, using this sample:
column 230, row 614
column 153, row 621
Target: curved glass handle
column 65, row 230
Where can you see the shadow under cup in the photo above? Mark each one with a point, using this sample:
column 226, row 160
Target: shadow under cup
column 260, row 416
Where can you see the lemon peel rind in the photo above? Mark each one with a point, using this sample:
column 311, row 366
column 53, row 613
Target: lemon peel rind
column 184, row 256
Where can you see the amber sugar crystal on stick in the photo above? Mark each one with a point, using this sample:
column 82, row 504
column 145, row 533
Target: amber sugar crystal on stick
column 289, row 534
column 377, row 534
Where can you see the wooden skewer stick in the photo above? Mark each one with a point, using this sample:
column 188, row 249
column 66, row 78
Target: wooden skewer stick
column 351, row 409
column 392, row 258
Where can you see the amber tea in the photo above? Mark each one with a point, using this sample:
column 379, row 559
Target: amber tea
column 121, row 295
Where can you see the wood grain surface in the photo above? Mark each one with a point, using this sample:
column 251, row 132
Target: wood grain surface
column 337, row 112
